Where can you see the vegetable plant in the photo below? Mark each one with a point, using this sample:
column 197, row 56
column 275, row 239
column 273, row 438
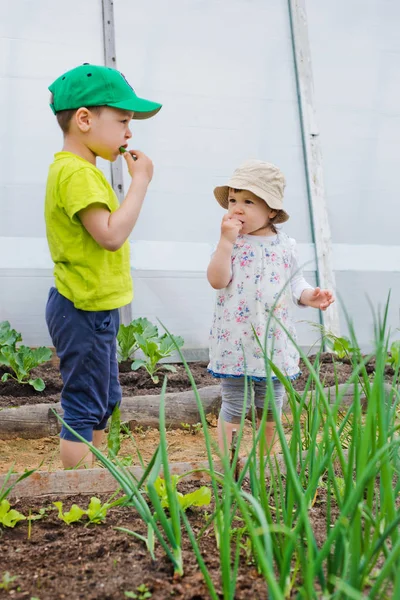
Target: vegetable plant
column 155, row 349
column 142, row 593
column 9, row 517
column 200, row 497
column 192, row 428
column 8, row 336
column 126, row 339
column 21, row 361
column 7, row 580
column 96, row 512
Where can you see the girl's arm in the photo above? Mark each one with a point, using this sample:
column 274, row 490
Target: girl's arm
column 298, row 283
column 219, row 272
column 303, row 293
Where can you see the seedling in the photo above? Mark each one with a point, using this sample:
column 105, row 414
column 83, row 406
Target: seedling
column 192, row 428
column 200, row 497
column 6, row 581
column 96, row 512
column 142, row 593
column 9, row 517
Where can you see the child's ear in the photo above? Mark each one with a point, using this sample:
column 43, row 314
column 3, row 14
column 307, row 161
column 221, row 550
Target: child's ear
column 83, row 118
column 273, row 214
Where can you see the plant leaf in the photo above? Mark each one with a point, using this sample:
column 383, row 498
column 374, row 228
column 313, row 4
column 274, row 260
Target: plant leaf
column 9, row 517
column 137, row 364
column 201, row 497
column 38, row 384
column 96, row 510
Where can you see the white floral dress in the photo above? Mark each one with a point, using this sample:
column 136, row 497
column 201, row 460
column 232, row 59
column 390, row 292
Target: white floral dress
column 261, row 266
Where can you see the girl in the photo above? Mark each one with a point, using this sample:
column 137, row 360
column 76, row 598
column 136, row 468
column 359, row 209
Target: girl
column 250, row 267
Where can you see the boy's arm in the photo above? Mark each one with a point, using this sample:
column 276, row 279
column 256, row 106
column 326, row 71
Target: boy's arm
column 111, row 230
column 219, row 270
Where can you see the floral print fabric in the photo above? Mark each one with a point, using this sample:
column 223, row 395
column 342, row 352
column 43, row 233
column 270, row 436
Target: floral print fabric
column 261, row 266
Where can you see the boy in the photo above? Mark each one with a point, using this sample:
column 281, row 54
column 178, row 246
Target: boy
column 87, row 232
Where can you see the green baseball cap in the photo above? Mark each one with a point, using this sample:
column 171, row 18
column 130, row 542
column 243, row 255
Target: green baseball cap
column 93, row 85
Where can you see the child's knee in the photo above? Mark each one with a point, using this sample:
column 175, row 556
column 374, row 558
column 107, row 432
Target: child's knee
column 230, row 413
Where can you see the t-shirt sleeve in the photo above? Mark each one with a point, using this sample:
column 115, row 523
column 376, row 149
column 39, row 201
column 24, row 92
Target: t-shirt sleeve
column 297, row 282
column 80, row 190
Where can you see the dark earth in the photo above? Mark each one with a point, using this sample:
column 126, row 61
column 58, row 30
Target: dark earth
column 139, row 383
column 96, row 562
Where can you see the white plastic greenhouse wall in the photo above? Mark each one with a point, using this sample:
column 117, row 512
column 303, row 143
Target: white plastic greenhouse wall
column 225, row 73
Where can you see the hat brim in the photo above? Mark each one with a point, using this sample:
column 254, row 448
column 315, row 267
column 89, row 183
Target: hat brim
column 221, row 194
column 142, row 109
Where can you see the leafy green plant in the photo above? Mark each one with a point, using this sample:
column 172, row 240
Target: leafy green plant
column 9, row 517
column 96, row 512
column 341, row 346
column 155, row 349
column 126, row 338
column 21, row 361
column 142, row 593
column 192, row 428
column 200, row 497
column 6, row 581
column 8, row 336
column 393, row 358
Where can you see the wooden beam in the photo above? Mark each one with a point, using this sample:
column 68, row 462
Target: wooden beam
column 313, row 158
column 110, row 60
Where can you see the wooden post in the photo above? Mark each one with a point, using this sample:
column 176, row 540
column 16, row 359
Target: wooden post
column 313, row 158
column 110, row 60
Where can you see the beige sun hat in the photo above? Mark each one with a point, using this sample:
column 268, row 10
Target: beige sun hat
column 264, row 179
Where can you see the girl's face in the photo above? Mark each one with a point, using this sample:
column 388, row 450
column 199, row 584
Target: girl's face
column 251, row 211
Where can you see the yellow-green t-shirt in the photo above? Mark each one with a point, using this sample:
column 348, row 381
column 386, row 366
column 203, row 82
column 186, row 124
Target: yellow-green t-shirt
column 92, row 277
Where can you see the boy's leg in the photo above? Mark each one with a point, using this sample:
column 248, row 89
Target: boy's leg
column 114, row 388
column 233, row 403
column 260, row 389
column 83, row 341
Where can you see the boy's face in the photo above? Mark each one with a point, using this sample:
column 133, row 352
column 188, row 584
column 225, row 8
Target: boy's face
column 109, row 129
column 251, row 211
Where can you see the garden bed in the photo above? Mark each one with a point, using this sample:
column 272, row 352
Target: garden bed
column 136, row 383
column 97, row 562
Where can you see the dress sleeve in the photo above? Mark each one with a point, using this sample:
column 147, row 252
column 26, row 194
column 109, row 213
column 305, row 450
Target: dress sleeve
column 297, row 282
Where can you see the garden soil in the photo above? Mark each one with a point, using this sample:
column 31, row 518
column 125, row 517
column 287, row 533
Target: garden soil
column 57, row 561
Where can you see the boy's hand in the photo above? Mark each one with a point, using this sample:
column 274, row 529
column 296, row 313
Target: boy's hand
column 230, row 228
column 141, row 167
column 317, row 298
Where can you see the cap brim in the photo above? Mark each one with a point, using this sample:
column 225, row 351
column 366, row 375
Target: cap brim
column 142, row 109
column 221, row 194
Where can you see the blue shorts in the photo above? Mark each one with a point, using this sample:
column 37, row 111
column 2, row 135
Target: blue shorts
column 85, row 342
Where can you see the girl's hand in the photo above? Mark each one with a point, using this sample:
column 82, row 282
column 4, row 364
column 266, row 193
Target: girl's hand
column 230, row 228
column 317, row 298
column 141, row 167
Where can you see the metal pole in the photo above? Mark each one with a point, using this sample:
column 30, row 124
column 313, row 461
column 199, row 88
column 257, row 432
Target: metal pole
column 313, row 158
column 110, row 60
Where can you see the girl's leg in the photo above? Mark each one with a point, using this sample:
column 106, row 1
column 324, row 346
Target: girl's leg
column 233, row 404
column 260, row 399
